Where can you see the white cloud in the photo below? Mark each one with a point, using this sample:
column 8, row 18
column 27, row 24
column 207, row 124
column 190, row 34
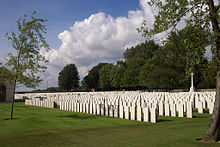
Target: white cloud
column 99, row 38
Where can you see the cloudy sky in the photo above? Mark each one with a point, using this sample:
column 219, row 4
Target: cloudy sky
column 83, row 32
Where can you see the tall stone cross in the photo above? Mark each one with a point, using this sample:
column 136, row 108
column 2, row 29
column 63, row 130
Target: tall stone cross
column 192, row 89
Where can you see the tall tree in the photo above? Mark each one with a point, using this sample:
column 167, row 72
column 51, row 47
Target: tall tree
column 209, row 76
column 157, row 73
column 92, row 78
column 117, row 74
column 105, row 77
column 130, row 75
column 26, row 61
column 84, row 84
column 142, row 51
column 68, row 78
column 134, row 59
column 203, row 13
column 186, row 50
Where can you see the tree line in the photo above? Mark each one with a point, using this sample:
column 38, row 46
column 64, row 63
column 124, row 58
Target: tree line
column 153, row 66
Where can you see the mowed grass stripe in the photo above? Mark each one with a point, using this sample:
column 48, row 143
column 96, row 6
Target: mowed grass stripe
column 37, row 126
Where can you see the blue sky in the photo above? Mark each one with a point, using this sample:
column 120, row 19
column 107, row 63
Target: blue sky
column 83, row 32
column 61, row 14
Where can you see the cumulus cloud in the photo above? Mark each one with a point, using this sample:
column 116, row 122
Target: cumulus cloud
column 98, row 38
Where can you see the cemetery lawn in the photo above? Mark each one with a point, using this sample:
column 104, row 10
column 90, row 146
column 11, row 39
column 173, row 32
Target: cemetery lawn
column 35, row 126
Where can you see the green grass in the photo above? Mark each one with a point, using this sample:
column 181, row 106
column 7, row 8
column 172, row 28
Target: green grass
column 35, row 126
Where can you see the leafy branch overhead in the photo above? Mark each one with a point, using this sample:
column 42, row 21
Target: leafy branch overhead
column 173, row 12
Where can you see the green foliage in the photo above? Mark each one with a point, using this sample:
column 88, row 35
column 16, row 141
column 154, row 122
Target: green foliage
column 51, row 89
column 186, row 50
column 209, row 76
column 135, row 58
column 173, row 12
column 142, row 51
column 25, row 64
column 187, row 47
column 150, row 66
column 84, row 84
column 26, row 61
column 117, row 74
column 202, row 16
column 92, row 79
column 105, row 77
column 20, row 100
column 68, row 78
column 159, row 78
column 130, row 76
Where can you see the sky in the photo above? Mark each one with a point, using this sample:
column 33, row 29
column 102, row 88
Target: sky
column 83, row 32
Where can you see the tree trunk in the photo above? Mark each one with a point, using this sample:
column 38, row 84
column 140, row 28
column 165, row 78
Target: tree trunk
column 13, row 100
column 213, row 130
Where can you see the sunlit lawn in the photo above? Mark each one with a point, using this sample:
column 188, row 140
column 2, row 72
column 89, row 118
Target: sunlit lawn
column 35, row 126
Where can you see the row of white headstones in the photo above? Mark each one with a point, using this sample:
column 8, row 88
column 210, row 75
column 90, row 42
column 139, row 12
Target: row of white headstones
column 141, row 106
column 47, row 103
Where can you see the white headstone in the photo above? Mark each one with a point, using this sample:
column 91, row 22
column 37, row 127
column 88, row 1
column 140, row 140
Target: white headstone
column 180, row 111
column 94, row 109
column 126, row 109
column 102, row 109
column 106, row 110
column 173, row 110
column 121, row 111
column 138, row 113
column 146, row 114
column 167, row 109
column 161, row 108
column 90, row 107
column 116, row 111
column 153, row 117
column 200, row 108
column 132, row 112
column 87, row 107
column 189, row 110
column 78, row 110
column 98, row 109
column 75, row 106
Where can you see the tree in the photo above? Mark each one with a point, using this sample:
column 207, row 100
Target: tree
column 84, row 83
column 203, row 13
column 142, row 51
column 117, row 74
column 105, row 77
column 186, row 50
column 68, row 78
column 92, row 78
column 135, row 58
column 26, row 62
column 130, row 75
column 209, row 76
column 157, row 73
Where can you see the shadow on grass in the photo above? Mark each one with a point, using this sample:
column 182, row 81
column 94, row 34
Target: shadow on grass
column 81, row 116
column 163, row 120
column 11, row 119
column 201, row 116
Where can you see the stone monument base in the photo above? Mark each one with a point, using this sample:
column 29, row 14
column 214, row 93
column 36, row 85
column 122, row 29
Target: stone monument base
column 192, row 89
